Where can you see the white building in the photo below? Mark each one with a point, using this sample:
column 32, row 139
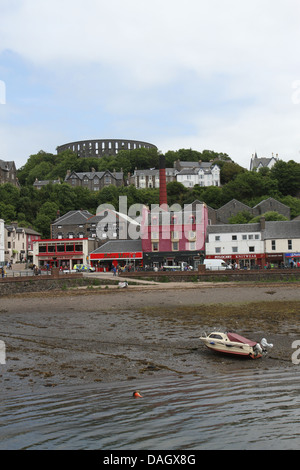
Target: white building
column 235, row 243
column 2, row 242
column 255, row 245
column 15, row 243
column 203, row 174
column 257, row 163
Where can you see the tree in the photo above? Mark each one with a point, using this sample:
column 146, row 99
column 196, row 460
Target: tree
column 287, row 175
column 271, row 215
column 242, row 217
column 45, row 217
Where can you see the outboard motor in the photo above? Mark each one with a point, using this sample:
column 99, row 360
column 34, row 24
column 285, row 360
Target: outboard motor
column 265, row 345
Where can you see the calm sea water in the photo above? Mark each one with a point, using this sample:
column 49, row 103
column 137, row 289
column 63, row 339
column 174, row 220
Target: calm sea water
column 243, row 410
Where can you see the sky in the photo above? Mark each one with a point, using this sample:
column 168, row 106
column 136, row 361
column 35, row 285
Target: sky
column 221, row 75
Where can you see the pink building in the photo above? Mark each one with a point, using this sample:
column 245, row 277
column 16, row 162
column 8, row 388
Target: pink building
column 174, row 238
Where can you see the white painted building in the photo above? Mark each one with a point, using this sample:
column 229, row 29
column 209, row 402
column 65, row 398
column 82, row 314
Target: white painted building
column 252, row 245
column 235, row 243
column 204, row 174
column 2, row 242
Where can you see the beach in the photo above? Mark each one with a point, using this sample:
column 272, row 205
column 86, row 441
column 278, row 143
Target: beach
column 85, row 336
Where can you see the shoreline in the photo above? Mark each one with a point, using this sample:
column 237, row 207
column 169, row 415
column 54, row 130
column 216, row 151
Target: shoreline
column 95, row 336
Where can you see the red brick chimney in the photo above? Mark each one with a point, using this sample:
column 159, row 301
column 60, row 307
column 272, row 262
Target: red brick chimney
column 162, row 181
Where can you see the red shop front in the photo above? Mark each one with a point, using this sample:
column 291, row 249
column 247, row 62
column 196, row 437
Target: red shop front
column 124, row 260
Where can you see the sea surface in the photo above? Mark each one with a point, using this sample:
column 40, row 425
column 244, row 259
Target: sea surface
column 242, row 410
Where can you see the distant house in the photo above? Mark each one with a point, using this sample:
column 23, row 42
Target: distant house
column 38, row 184
column 8, row 173
column 257, row 163
column 2, row 242
column 201, row 173
column 94, row 180
column 150, row 178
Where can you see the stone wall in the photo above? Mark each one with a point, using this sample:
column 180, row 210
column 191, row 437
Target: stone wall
column 263, row 275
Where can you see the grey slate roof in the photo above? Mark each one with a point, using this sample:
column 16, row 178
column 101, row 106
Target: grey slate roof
column 233, row 228
column 73, row 218
column 120, row 246
column 91, row 174
column 287, row 229
column 282, row 229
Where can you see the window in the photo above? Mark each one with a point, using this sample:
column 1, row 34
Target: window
column 234, row 237
column 234, row 249
column 251, row 249
column 257, row 236
column 192, row 246
column 273, row 244
column 217, row 238
column 174, row 235
column 290, row 245
column 175, row 246
column 250, row 237
column 217, row 249
column 154, row 236
column 155, row 246
column 244, row 237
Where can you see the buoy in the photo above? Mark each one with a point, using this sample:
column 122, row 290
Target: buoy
column 137, row 394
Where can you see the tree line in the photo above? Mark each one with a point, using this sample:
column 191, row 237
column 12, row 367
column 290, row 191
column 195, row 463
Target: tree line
column 35, row 208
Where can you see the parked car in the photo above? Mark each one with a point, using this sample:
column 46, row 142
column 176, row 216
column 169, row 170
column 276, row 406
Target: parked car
column 84, row 268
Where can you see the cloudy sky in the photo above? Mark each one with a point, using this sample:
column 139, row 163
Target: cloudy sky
column 222, row 75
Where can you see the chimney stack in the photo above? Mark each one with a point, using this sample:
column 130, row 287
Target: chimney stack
column 162, row 181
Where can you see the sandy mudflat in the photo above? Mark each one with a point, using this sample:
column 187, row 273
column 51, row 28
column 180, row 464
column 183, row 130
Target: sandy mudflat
column 83, row 336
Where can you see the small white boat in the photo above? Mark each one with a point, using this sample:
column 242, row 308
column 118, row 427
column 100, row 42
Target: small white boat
column 232, row 343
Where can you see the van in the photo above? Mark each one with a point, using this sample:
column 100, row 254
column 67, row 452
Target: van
column 216, row 264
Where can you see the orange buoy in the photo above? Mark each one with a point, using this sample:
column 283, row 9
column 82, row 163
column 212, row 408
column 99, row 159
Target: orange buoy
column 137, row 394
